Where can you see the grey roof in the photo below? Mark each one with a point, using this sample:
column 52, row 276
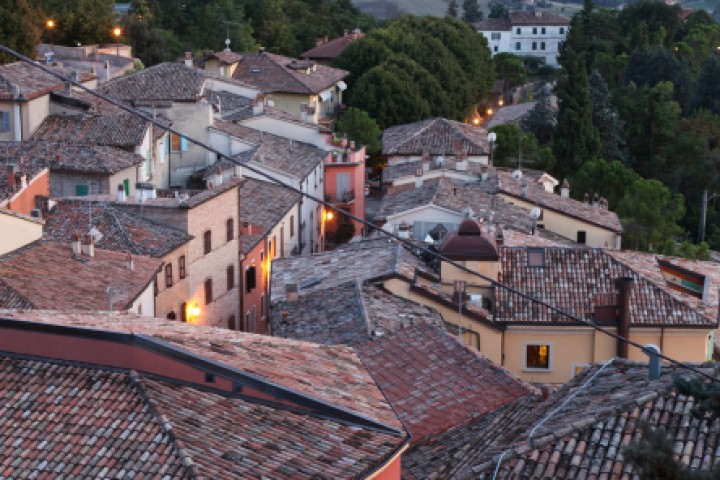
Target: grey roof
column 23, row 81
column 511, row 114
column 434, row 136
column 457, row 197
column 277, row 153
column 120, row 231
column 163, row 82
column 126, row 130
column 230, row 102
column 358, row 261
column 349, row 313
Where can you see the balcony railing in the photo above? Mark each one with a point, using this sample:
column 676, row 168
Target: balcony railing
column 344, row 197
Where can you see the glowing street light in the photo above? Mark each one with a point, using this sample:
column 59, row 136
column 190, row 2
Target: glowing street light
column 117, row 31
column 50, row 25
column 329, row 216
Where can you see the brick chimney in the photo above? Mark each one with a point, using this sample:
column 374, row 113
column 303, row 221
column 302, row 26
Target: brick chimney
column 75, row 244
column 87, row 245
column 624, row 285
column 188, row 59
column 565, row 189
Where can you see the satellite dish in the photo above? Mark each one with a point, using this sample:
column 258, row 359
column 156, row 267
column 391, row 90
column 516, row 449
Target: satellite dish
column 440, row 160
column 535, row 213
column 517, row 174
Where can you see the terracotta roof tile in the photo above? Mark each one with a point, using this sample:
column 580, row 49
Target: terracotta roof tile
column 434, row 382
column 30, row 81
column 125, row 131
column 332, row 48
column 163, row 82
column 434, row 136
column 518, row 18
column 120, row 231
column 276, row 73
column 48, row 275
column 264, row 203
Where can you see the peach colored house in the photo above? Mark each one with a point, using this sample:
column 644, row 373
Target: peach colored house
column 345, row 186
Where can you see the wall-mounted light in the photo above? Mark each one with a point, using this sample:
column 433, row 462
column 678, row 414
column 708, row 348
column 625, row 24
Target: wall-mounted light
column 329, row 215
column 193, row 312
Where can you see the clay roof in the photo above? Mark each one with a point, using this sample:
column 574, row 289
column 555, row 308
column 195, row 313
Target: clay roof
column 34, row 156
column 30, row 81
column 264, row 203
column 277, row 153
column 570, row 279
column 457, row 197
column 332, row 48
column 120, row 231
column 48, row 275
column 469, row 243
column 163, row 428
column 434, row 382
column 332, row 374
column 225, row 56
column 164, row 82
column 357, row 261
column 598, row 418
column 510, row 114
column 276, row 73
column 540, row 18
column 434, row 136
column 493, row 25
column 349, row 313
column 126, row 131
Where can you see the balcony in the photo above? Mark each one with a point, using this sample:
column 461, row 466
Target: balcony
column 342, row 198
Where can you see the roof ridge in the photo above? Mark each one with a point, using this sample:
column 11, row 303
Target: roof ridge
column 285, row 70
column 184, row 456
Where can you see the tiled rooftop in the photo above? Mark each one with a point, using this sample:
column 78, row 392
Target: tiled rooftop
column 276, row 73
column 125, row 131
column 332, row 48
column 121, row 231
column 48, row 275
column 493, row 25
column 31, row 82
column 163, row 82
column 264, row 203
column 434, row 136
column 519, row 18
column 332, row 374
column 586, row 438
column 570, row 279
column 278, row 153
column 434, row 382
column 349, row 313
column 511, row 114
column 356, row 261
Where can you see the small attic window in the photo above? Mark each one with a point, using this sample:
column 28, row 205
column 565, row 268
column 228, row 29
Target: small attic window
column 536, row 257
column 255, row 70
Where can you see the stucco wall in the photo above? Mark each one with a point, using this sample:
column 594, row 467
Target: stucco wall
column 296, row 131
column 253, row 303
column 145, row 303
column 171, row 299
column 24, row 200
column 23, row 232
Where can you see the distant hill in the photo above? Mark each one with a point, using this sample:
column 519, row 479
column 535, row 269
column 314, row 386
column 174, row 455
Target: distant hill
column 392, row 8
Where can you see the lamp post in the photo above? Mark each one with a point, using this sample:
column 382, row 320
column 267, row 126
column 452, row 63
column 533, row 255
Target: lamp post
column 50, row 25
column 117, row 31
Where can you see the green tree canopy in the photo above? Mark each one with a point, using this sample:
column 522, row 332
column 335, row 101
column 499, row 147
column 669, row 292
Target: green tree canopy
column 471, row 11
column 509, row 152
column 498, row 10
column 541, row 119
column 707, row 94
column 511, row 68
column 606, row 119
column 360, row 127
column 81, row 21
column 611, row 180
column 20, row 28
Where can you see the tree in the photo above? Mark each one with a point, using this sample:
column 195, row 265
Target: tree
column 471, row 11
column 499, row 10
column 606, row 120
column 361, row 128
column 509, row 152
column 611, row 180
column 82, row 21
column 511, row 68
column 576, row 139
column 20, row 28
column 452, row 8
column 650, row 213
column 541, row 119
column 707, row 94
column 650, row 16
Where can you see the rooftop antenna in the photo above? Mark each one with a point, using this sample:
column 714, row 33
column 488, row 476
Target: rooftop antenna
column 227, row 34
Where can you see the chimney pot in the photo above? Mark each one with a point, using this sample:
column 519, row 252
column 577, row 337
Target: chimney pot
column 87, row 246
column 624, row 285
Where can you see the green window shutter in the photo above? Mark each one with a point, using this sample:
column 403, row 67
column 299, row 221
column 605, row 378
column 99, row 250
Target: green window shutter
column 82, row 190
column 126, row 184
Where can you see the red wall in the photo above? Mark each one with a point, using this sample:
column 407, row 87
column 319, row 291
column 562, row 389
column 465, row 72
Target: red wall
column 259, row 258
column 356, row 167
column 25, row 200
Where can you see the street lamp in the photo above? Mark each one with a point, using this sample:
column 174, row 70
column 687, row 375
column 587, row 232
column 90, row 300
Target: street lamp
column 50, row 25
column 117, row 31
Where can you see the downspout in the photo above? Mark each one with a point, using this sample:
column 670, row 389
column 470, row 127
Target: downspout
column 17, row 134
column 662, row 339
column 624, row 286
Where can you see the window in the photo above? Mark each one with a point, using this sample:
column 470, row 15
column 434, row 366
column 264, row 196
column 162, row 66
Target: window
column 262, row 306
column 230, row 229
column 168, row 275
column 231, row 322
column 171, row 315
column 82, row 190
column 536, row 257
column 181, row 266
column 4, row 121
column 230, row 277
column 537, row 357
column 178, row 143
column 262, row 255
column 517, row 45
column 581, row 237
column 534, row 30
column 534, row 45
column 542, row 45
column 562, row 30
column 208, row 291
column 495, row 36
column 250, row 282
column 183, row 312
column 542, row 30
column 292, row 226
column 207, row 242
column 518, row 30
column 495, row 48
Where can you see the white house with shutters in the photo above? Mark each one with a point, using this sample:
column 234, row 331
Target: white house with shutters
column 526, row 34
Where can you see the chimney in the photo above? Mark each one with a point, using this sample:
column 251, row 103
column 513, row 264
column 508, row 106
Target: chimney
column 624, row 285
column 523, row 190
column 499, row 236
column 258, row 105
column 12, row 170
column 129, row 263
column 596, row 200
column 319, row 41
column 107, row 70
column 68, row 88
column 586, row 198
column 653, row 352
column 344, row 141
column 565, row 189
column 87, row 246
column 121, row 197
column 75, row 244
column 356, row 33
column 291, row 292
column 352, row 145
column 188, row 59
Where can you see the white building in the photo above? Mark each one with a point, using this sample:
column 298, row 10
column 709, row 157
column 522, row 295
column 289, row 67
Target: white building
column 536, row 34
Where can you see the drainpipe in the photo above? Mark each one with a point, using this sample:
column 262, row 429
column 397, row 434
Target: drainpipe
column 17, row 122
column 624, row 286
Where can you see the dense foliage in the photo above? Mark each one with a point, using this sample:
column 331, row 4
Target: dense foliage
column 414, row 68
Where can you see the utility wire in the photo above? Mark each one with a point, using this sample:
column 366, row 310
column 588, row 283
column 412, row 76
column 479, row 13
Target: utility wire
column 328, row 205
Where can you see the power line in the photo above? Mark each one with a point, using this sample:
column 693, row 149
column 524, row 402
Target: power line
column 328, row 205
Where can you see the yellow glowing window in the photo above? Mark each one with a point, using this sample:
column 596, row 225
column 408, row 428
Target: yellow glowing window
column 537, row 356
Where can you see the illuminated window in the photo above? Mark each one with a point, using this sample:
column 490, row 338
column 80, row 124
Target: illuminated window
column 537, row 357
